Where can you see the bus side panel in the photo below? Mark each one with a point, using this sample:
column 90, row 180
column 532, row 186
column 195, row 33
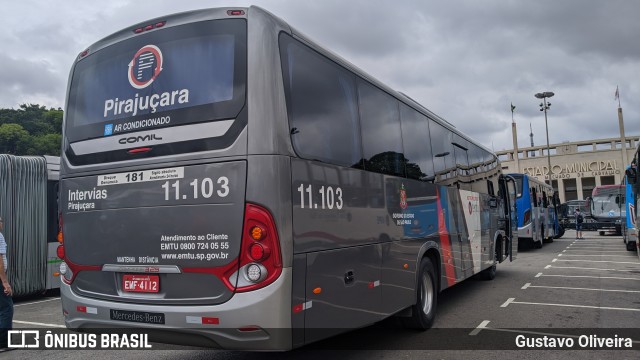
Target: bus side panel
column 343, row 290
column 459, row 234
column 340, row 220
column 401, row 256
column 298, row 299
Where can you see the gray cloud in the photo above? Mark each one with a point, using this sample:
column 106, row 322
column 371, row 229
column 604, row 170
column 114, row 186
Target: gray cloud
column 465, row 60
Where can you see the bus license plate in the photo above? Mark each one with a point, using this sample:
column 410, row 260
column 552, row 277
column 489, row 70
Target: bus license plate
column 141, row 283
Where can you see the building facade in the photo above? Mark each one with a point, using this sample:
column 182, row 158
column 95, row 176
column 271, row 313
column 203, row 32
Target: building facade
column 576, row 167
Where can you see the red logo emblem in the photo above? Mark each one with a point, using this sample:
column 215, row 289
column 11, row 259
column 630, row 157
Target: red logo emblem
column 145, row 66
column 403, row 197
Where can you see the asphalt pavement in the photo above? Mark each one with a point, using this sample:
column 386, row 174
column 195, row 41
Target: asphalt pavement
column 586, row 290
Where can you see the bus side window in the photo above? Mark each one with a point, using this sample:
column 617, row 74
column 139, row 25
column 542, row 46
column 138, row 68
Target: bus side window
column 322, row 106
column 490, row 188
column 534, row 197
column 380, row 127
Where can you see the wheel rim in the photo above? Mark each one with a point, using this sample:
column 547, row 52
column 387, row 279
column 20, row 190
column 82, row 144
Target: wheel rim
column 427, row 294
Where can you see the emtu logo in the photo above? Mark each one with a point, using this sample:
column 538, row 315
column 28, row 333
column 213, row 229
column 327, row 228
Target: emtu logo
column 145, row 66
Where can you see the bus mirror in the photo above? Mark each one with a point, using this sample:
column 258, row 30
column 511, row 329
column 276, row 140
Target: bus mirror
column 632, row 175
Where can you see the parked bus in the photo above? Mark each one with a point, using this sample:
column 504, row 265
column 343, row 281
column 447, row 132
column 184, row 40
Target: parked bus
column 629, row 232
column 633, row 200
column 607, row 207
column 227, row 182
column 566, row 215
column 537, row 218
column 29, row 207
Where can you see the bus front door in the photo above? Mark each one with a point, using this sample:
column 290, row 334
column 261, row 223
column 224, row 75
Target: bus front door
column 508, row 191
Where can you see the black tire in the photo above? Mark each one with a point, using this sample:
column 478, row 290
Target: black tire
column 489, row 273
column 537, row 244
column 631, row 246
column 560, row 232
column 424, row 311
column 601, row 233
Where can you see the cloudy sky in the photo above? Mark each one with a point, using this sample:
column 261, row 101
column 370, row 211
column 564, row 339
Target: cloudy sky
column 466, row 60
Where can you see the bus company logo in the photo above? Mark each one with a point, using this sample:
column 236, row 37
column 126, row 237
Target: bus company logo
column 403, row 197
column 135, row 139
column 145, row 66
column 470, row 208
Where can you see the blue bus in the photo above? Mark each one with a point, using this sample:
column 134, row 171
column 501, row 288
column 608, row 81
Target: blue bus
column 629, row 231
column 537, row 218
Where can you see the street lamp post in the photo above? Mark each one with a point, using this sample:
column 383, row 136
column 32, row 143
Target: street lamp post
column 544, row 106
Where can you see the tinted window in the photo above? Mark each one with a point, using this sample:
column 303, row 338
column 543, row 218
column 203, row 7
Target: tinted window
column 443, row 157
column 322, row 106
column 417, row 145
column 461, row 150
column 381, row 138
column 188, row 73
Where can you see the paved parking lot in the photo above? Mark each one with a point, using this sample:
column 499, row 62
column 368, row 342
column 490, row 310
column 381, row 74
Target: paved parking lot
column 568, row 288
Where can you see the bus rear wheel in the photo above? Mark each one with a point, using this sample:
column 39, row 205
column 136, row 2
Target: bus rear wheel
column 424, row 311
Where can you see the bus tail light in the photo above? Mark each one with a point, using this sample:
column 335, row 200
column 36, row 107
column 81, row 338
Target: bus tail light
column 60, row 251
column 60, row 234
column 260, row 260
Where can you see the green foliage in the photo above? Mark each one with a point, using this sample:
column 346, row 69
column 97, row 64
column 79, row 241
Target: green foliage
column 31, row 130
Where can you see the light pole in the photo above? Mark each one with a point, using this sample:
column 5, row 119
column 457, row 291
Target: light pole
column 544, row 106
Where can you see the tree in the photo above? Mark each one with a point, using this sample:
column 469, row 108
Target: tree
column 31, row 130
column 11, row 136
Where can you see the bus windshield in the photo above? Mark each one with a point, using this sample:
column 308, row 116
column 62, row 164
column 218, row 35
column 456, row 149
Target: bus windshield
column 157, row 79
column 608, row 203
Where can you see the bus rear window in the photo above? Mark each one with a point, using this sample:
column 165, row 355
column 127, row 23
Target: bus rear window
column 172, row 76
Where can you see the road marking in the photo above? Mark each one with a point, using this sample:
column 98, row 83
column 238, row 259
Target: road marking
column 38, row 324
column 599, row 246
column 483, row 325
column 506, row 303
column 526, row 286
column 571, row 305
column 603, row 261
column 582, row 268
column 575, row 288
column 538, row 275
column 554, row 260
column 592, row 277
column 35, row 302
column 564, row 251
column 601, row 251
column 596, row 246
column 626, row 256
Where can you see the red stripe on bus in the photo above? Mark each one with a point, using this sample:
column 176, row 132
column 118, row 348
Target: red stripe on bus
column 445, row 244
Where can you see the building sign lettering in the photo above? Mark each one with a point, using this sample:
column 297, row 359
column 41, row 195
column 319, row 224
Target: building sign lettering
column 575, row 170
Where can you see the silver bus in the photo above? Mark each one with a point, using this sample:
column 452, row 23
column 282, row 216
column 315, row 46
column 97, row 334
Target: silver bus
column 227, row 182
column 29, row 207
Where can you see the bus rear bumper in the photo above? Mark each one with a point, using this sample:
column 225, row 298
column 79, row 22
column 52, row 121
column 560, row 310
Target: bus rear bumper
column 526, row 231
column 255, row 320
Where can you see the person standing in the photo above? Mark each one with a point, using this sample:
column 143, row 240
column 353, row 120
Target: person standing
column 6, row 302
column 579, row 220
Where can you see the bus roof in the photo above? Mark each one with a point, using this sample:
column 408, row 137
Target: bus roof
column 607, row 189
